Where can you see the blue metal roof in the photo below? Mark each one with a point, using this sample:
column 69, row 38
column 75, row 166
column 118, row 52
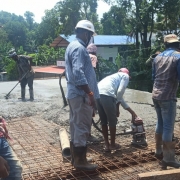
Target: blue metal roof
column 107, row 40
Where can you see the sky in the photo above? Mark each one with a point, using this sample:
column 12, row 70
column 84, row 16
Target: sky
column 37, row 7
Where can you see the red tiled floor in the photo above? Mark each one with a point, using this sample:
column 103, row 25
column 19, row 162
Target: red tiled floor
column 50, row 69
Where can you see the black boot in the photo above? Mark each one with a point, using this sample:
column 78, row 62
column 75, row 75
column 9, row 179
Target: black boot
column 23, row 91
column 169, row 155
column 71, row 150
column 80, row 161
column 31, row 94
column 159, row 143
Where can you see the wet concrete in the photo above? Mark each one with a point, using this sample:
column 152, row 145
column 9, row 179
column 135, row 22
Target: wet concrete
column 48, row 103
column 42, row 88
column 49, row 88
column 136, row 96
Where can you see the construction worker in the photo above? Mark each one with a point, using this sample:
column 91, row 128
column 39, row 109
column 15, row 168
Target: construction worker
column 10, row 166
column 92, row 49
column 82, row 91
column 111, row 90
column 26, row 73
column 166, row 76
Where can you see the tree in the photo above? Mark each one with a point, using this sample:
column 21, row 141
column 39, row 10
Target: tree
column 71, row 11
column 16, row 33
column 168, row 16
column 48, row 28
column 29, row 19
column 114, row 21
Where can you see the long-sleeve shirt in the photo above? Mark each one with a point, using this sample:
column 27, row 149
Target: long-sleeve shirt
column 24, row 66
column 79, row 70
column 115, row 86
column 166, row 75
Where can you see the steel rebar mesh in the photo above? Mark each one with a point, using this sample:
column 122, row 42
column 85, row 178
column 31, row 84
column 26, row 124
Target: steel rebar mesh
column 37, row 145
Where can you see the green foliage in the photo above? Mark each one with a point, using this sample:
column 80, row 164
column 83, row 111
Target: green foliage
column 114, row 21
column 47, row 55
column 118, row 61
column 105, row 68
column 11, row 69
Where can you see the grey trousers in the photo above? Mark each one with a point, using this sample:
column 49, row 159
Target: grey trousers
column 80, row 120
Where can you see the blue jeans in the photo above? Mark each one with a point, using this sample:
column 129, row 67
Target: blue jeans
column 14, row 164
column 166, row 114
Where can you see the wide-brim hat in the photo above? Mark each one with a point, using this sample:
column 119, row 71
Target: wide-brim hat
column 171, row 38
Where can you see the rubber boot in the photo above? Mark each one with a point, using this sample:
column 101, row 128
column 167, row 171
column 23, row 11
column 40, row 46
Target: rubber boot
column 169, row 155
column 89, row 159
column 71, row 150
column 159, row 143
column 31, row 94
column 80, row 161
column 23, row 92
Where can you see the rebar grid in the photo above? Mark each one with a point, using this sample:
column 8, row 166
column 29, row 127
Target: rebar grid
column 36, row 144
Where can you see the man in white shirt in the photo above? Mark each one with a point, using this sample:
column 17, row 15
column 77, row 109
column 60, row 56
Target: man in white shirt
column 111, row 90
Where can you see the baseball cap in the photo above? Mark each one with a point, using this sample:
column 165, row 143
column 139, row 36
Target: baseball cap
column 12, row 53
column 124, row 70
column 171, row 38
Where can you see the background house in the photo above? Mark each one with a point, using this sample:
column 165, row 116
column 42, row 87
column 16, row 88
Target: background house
column 107, row 45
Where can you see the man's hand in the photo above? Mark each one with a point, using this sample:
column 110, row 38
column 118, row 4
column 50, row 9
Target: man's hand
column 133, row 116
column 132, row 113
column 4, row 168
column 92, row 102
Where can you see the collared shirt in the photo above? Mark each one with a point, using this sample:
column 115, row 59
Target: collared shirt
column 115, row 86
column 79, row 70
column 166, row 75
column 24, row 66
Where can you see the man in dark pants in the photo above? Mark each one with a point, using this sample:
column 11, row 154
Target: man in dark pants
column 166, row 76
column 111, row 90
column 26, row 73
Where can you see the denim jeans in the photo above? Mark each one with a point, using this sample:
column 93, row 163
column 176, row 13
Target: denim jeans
column 14, row 164
column 166, row 114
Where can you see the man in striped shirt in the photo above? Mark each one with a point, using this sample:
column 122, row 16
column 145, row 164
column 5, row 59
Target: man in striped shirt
column 166, row 76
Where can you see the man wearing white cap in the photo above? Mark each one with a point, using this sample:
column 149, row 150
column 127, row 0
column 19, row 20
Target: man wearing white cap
column 111, row 90
column 166, row 75
column 82, row 91
column 26, row 73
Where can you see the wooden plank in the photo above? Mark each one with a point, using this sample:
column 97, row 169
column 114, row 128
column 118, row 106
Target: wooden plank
column 173, row 174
